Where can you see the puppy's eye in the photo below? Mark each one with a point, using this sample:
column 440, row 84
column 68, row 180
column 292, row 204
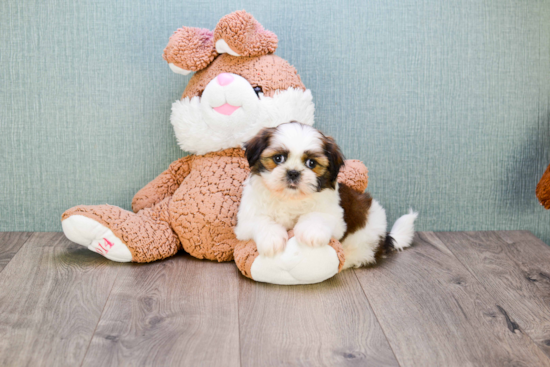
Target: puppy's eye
column 258, row 90
column 310, row 163
column 279, row 158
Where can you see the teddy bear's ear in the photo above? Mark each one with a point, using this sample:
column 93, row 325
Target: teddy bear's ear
column 239, row 34
column 190, row 49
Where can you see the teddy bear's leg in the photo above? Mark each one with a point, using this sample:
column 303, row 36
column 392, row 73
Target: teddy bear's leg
column 120, row 235
column 245, row 253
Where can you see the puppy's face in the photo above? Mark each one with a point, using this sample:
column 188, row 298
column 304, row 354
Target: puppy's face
column 294, row 160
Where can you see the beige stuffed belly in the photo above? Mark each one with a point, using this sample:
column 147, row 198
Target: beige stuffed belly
column 203, row 211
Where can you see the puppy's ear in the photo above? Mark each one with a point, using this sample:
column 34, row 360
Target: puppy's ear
column 334, row 156
column 255, row 146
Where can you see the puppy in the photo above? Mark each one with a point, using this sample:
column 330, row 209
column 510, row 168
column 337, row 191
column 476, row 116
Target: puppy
column 293, row 185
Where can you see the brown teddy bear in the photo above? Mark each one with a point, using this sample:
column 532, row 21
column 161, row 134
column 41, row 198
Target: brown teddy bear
column 239, row 87
column 543, row 189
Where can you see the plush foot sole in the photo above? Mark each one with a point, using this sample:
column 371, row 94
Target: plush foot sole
column 96, row 237
column 297, row 264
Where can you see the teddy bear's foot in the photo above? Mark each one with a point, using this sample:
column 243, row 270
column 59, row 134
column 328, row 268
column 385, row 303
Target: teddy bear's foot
column 96, row 237
column 121, row 235
column 297, row 264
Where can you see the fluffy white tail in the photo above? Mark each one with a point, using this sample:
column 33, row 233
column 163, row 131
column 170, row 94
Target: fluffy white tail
column 403, row 230
column 364, row 246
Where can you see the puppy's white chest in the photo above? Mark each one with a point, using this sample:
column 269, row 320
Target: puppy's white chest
column 286, row 215
column 288, row 212
column 258, row 202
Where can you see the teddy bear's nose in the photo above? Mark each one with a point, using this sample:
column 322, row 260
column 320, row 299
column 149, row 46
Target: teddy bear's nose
column 225, row 79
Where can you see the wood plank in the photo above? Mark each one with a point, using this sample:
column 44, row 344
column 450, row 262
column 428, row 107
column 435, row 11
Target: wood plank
column 10, row 243
column 435, row 313
column 533, row 256
column 180, row 311
column 52, row 294
column 327, row 324
column 515, row 268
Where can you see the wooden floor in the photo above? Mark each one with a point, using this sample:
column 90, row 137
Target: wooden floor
column 453, row 299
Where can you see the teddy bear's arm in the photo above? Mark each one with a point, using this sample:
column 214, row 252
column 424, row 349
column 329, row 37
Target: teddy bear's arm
column 164, row 185
column 354, row 174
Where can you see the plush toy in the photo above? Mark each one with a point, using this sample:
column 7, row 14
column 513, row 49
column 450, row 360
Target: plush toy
column 239, row 87
column 543, row 189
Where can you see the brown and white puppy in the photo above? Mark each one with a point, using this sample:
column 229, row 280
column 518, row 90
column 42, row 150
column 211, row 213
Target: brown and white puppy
column 293, row 185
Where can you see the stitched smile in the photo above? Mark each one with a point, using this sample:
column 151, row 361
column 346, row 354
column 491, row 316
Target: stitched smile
column 226, row 109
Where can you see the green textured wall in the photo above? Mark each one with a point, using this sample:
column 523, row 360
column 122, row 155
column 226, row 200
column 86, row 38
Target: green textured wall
column 446, row 102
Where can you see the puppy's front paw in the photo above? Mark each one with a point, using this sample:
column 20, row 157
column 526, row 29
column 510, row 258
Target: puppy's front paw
column 271, row 240
column 312, row 234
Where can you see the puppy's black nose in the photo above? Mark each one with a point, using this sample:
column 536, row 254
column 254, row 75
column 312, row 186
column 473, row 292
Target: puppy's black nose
column 292, row 175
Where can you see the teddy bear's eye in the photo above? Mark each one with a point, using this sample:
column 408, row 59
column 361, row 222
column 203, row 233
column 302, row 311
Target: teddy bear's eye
column 258, row 90
column 279, row 158
column 310, row 163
